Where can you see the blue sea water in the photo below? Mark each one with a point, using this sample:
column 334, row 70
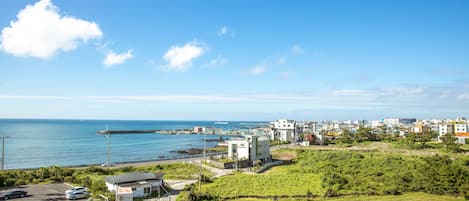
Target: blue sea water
column 37, row 142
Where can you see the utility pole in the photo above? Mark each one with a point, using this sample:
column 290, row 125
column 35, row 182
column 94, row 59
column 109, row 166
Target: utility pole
column 3, row 151
column 108, row 149
column 205, row 144
column 200, row 177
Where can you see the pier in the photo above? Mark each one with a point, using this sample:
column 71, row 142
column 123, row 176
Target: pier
column 169, row 132
column 197, row 130
column 177, row 131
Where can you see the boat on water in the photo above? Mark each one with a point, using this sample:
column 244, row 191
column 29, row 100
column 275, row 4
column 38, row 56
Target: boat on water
column 221, row 122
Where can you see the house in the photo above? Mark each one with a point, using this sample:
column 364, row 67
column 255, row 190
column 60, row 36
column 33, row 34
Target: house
column 420, row 128
column 462, row 138
column 251, row 148
column 283, row 130
column 460, row 128
column 138, row 184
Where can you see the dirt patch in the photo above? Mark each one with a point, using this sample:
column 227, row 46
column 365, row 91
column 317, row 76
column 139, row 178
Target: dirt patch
column 283, row 155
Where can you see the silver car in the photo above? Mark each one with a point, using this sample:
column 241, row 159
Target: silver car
column 77, row 195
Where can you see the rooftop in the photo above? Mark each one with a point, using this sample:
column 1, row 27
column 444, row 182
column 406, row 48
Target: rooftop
column 134, row 177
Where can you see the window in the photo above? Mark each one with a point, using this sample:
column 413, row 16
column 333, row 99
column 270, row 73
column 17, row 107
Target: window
column 133, row 189
column 146, row 190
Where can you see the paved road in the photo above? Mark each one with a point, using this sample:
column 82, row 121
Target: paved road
column 44, row 192
column 218, row 172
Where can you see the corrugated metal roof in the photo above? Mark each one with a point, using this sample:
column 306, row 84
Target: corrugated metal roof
column 134, row 177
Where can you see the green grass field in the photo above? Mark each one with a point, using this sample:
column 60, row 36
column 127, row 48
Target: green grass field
column 264, row 185
column 404, row 197
column 347, row 173
column 171, row 171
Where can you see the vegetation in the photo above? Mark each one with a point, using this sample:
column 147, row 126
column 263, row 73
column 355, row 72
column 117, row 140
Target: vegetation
column 403, row 197
column 346, row 173
column 278, row 142
column 449, row 142
column 410, row 141
column 217, row 149
column 93, row 177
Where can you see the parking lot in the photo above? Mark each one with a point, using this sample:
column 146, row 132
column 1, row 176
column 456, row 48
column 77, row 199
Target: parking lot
column 43, row 192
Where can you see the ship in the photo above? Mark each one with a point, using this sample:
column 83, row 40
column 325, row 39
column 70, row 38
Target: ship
column 221, row 122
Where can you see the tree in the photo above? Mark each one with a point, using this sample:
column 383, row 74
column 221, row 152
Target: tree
column 345, row 137
column 364, row 134
column 449, row 140
column 427, row 137
column 410, row 139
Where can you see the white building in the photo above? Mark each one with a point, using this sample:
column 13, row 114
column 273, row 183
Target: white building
column 445, row 129
column 375, row 123
column 460, row 128
column 251, row 148
column 139, row 184
column 391, row 122
column 283, row 130
column 305, row 127
column 462, row 138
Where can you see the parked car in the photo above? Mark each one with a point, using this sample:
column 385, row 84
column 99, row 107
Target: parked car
column 77, row 195
column 13, row 194
column 78, row 189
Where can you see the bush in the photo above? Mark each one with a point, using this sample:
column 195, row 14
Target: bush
column 183, row 196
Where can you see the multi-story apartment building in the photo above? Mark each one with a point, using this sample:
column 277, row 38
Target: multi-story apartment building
column 445, row 129
column 283, row 130
column 460, row 128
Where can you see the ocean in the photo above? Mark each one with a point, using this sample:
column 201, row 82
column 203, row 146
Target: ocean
column 32, row 143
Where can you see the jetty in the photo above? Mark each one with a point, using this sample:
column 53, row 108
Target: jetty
column 197, row 130
column 176, row 131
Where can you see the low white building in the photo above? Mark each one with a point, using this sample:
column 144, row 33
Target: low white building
column 462, row 138
column 139, row 184
column 283, row 130
column 251, row 148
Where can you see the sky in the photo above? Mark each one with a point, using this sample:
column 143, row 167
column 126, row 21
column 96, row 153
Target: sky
column 234, row 60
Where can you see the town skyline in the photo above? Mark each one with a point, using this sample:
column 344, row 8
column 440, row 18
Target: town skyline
column 257, row 61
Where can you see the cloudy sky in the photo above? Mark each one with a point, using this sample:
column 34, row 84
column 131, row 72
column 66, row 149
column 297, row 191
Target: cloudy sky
column 234, row 60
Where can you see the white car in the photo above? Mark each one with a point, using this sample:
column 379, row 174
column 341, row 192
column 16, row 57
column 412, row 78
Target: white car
column 78, row 189
column 77, row 195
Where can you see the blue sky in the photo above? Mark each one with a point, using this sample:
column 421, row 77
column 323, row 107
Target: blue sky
column 234, row 60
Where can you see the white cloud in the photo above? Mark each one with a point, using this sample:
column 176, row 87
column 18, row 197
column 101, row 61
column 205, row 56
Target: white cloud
column 40, row 31
column 399, row 92
column 296, row 49
column 464, row 97
column 223, row 31
column 113, row 58
column 180, row 58
column 219, row 61
column 257, row 70
column 350, row 92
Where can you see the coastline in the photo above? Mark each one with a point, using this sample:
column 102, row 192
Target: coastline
column 136, row 163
